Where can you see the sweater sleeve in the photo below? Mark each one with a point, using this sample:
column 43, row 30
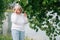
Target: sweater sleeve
column 26, row 20
column 14, row 19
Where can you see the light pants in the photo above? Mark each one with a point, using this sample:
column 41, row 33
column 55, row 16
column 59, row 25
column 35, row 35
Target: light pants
column 18, row 35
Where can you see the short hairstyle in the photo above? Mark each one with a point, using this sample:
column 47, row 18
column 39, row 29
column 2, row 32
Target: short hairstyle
column 17, row 6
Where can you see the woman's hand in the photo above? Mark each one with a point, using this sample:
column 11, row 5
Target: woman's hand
column 26, row 19
column 25, row 14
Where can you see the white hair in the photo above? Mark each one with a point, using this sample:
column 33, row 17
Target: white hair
column 17, row 6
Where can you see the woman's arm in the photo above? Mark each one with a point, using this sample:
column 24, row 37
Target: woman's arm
column 14, row 19
column 25, row 17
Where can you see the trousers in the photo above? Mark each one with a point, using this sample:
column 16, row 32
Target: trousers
column 17, row 35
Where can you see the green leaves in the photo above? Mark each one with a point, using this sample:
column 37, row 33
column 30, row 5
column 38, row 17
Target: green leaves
column 25, row 2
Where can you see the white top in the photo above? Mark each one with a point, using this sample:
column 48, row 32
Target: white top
column 18, row 21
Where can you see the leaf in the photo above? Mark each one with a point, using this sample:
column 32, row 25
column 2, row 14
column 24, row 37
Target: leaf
column 36, row 30
column 25, row 2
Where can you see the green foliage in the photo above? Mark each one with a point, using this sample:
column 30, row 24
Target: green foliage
column 37, row 11
column 5, row 37
column 1, row 12
column 4, row 4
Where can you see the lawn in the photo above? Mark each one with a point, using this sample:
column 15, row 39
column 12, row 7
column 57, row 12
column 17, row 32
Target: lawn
column 8, row 37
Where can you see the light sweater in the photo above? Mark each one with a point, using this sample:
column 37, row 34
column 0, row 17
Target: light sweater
column 18, row 21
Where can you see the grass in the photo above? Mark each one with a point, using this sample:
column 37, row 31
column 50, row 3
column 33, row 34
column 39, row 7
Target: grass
column 8, row 37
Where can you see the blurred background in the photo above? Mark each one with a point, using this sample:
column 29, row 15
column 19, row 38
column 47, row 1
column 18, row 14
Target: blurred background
column 43, row 16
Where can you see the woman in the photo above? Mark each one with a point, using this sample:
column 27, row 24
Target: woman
column 18, row 20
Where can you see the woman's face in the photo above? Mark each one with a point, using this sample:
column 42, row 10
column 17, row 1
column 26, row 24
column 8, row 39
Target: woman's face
column 17, row 10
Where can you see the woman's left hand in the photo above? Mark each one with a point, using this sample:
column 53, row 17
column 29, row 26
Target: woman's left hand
column 25, row 14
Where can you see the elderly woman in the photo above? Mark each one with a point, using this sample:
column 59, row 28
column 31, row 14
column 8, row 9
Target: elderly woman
column 18, row 20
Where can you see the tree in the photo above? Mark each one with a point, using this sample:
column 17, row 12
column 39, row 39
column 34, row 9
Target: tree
column 42, row 13
column 1, row 13
column 38, row 15
column 4, row 4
